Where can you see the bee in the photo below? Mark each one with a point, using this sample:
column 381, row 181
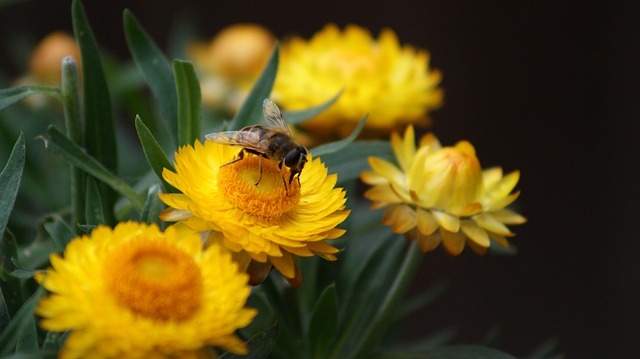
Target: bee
column 273, row 142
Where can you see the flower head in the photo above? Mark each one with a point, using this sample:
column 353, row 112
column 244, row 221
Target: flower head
column 137, row 292
column 231, row 61
column 390, row 82
column 45, row 62
column 247, row 208
column 441, row 194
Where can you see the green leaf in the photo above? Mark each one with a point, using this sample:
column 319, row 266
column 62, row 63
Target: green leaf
column 353, row 159
column 52, row 340
column 251, row 110
column 10, row 181
column 28, row 337
column 12, row 95
column 37, row 354
column 59, row 231
column 156, row 157
column 153, row 207
column 100, row 137
column 58, row 143
column 93, row 207
column 260, row 345
column 20, row 323
column 339, row 145
column 295, row 117
column 323, row 323
column 188, row 89
column 155, row 67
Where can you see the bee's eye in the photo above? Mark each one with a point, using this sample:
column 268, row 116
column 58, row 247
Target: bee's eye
column 295, row 156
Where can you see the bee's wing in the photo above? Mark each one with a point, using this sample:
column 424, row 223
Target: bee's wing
column 274, row 118
column 238, row 138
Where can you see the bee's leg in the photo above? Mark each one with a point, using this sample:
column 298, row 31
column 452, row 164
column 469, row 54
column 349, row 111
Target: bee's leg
column 239, row 158
column 260, row 166
column 284, row 182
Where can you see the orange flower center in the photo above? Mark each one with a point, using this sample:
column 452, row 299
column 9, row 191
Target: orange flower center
column 154, row 279
column 268, row 198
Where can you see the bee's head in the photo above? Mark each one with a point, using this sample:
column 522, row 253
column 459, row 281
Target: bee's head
column 295, row 160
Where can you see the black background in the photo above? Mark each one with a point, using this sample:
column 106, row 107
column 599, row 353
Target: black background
column 547, row 87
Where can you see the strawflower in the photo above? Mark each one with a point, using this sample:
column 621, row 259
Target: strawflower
column 136, row 292
column 391, row 82
column 441, row 194
column 265, row 224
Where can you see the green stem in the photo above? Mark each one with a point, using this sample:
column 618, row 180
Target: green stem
column 73, row 125
column 410, row 263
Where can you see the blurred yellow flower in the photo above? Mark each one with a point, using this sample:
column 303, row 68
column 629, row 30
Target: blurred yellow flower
column 134, row 291
column 441, row 194
column 390, row 82
column 231, row 61
column 264, row 223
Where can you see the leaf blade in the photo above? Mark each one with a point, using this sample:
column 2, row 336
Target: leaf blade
column 9, row 96
column 154, row 154
column 339, row 145
column 10, row 178
column 188, row 91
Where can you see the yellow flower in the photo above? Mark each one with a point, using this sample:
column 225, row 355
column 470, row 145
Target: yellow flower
column 136, row 292
column 441, row 194
column 390, row 82
column 231, row 61
column 264, row 223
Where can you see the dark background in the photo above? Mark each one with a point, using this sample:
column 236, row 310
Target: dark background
column 547, row 87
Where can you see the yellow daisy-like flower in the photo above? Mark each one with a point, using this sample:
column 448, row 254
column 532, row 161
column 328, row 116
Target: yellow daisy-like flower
column 441, row 194
column 136, row 292
column 248, row 209
column 390, row 82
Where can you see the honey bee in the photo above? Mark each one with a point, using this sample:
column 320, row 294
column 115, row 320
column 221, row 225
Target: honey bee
column 273, row 142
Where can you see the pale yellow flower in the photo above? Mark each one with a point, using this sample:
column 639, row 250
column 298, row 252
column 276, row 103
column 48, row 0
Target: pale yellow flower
column 441, row 194
column 264, row 223
column 136, row 292
column 391, row 82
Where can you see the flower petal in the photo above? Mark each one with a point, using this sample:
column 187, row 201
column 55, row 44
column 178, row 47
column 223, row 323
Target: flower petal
column 475, row 233
column 448, row 221
column 426, row 223
column 401, row 218
column 453, row 242
column 491, row 224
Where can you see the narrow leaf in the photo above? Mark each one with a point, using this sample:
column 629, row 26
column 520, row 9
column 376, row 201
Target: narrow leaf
column 93, row 207
column 10, row 181
column 28, row 336
column 323, row 323
column 153, row 207
column 12, row 95
column 58, row 143
column 295, row 117
column 352, row 160
column 155, row 67
column 24, row 316
column 188, row 89
column 153, row 152
column 59, row 231
column 338, row 145
column 251, row 110
column 260, row 345
column 100, row 137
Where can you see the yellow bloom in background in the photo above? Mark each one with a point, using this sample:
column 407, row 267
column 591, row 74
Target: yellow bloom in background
column 441, row 194
column 379, row 77
column 231, row 62
column 134, row 291
column 45, row 62
column 264, row 223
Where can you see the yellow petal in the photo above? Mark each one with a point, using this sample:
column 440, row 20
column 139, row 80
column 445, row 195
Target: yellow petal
column 491, row 224
column 431, row 141
column 508, row 216
column 426, row 223
column 428, row 243
column 503, row 187
column 284, row 264
column 491, row 176
column 453, row 242
column 499, row 240
column 448, row 221
column 373, row 178
column 382, row 193
column 401, row 218
column 404, row 149
column 475, row 233
column 500, row 203
column 477, row 248
column 387, row 169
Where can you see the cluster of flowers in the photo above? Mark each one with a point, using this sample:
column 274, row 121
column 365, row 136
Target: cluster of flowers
column 137, row 290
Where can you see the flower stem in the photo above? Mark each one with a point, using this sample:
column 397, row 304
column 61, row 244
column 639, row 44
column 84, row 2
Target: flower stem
column 73, row 125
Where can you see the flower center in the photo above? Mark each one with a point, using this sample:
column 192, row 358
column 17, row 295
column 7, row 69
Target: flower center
column 154, row 279
column 269, row 198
